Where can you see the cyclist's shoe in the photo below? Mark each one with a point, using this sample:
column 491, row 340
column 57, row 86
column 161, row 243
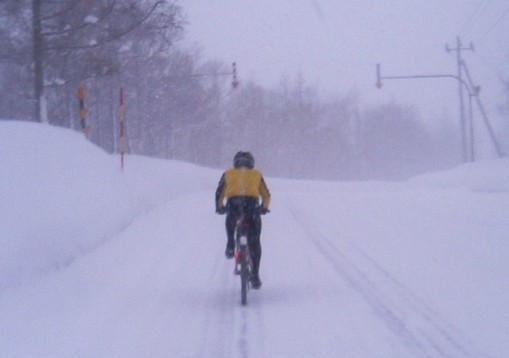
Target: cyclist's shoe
column 229, row 253
column 255, row 282
column 230, row 250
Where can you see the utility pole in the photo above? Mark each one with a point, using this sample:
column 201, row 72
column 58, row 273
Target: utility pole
column 491, row 132
column 458, row 50
column 473, row 92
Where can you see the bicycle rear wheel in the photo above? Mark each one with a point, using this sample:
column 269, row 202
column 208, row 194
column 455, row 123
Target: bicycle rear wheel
column 244, row 274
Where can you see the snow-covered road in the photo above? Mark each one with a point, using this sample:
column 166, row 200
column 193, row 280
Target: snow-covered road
column 414, row 269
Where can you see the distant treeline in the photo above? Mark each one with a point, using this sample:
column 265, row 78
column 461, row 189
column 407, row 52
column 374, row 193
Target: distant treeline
column 181, row 106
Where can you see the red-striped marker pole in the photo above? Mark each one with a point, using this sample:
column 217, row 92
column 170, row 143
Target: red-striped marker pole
column 235, row 81
column 81, row 97
column 122, row 141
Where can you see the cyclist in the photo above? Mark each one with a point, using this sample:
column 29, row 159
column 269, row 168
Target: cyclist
column 242, row 187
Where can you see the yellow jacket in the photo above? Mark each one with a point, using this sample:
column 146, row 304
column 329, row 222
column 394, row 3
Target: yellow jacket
column 242, row 182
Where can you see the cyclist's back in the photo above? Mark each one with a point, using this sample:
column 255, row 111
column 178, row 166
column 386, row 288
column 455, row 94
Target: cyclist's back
column 242, row 182
column 242, row 187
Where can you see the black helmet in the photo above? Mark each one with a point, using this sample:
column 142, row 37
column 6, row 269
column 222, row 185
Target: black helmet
column 243, row 160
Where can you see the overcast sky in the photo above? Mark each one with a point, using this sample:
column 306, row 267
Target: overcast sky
column 336, row 44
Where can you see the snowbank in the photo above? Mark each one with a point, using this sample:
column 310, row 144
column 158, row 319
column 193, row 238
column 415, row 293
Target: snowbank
column 62, row 196
column 100, row 262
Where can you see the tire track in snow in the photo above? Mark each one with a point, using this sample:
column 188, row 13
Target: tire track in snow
column 250, row 325
column 220, row 314
column 228, row 331
column 243, row 338
column 417, row 326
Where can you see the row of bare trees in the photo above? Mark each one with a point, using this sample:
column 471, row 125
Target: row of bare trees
column 55, row 43
column 181, row 107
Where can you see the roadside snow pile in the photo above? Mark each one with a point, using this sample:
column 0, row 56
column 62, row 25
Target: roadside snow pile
column 62, row 196
column 486, row 176
column 97, row 262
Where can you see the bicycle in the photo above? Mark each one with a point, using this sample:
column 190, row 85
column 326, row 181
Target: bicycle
column 243, row 259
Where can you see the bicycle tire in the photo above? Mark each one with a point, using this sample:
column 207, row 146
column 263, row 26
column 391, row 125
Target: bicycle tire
column 244, row 275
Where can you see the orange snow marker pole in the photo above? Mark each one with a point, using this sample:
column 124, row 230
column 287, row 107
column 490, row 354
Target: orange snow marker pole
column 81, row 97
column 122, row 140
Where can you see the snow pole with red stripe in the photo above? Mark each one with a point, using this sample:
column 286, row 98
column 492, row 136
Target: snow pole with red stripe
column 81, row 97
column 235, row 81
column 122, row 140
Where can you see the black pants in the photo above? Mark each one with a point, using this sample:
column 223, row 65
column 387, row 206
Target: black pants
column 237, row 207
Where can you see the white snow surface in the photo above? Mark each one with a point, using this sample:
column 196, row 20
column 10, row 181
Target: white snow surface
column 99, row 262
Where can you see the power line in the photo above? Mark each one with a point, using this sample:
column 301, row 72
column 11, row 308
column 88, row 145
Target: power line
column 494, row 24
column 483, row 112
column 459, row 47
column 473, row 93
column 494, row 68
column 476, row 15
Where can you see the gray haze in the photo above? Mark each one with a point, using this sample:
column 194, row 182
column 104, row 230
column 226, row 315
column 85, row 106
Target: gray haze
column 336, row 44
column 306, row 106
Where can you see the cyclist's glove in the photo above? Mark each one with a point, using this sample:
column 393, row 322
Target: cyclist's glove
column 264, row 211
column 221, row 210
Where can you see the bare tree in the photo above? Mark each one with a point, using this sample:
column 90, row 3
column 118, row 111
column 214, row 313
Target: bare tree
column 77, row 39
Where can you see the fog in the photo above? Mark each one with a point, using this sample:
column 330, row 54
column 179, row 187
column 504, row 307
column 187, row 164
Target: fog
column 98, row 262
column 336, row 45
column 306, row 103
